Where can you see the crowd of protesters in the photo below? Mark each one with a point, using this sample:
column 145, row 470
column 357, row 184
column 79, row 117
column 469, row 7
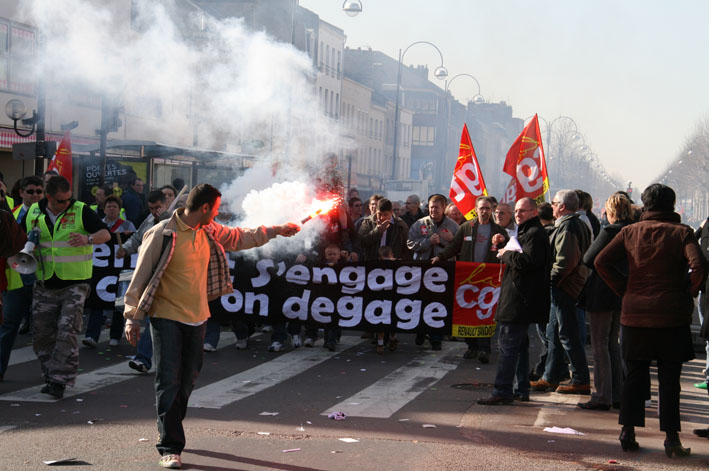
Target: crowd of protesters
column 633, row 275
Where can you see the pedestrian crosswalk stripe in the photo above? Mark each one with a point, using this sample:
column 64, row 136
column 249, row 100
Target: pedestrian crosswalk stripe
column 228, row 390
column 383, row 398
column 24, row 354
column 86, row 382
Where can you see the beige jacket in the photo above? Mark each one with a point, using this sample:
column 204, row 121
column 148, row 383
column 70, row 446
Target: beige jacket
column 152, row 261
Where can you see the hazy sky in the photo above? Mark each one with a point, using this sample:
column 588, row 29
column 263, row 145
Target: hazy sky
column 633, row 75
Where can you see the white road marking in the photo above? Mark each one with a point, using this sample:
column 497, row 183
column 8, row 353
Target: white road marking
column 24, row 354
column 383, row 398
column 234, row 388
column 86, row 382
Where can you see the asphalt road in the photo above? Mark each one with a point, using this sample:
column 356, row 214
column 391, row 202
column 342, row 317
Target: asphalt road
column 410, row 409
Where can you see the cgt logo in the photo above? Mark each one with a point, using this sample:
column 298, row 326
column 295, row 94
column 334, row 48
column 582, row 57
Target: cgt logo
column 477, row 291
column 529, row 174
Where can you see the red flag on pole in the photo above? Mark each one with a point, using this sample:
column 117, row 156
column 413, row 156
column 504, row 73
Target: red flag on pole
column 526, row 164
column 467, row 182
column 510, row 196
column 61, row 162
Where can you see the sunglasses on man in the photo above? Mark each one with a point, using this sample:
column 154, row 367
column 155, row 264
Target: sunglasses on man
column 32, row 191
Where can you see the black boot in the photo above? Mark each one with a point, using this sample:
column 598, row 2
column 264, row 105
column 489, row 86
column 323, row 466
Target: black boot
column 627, row 439
column 673, row 447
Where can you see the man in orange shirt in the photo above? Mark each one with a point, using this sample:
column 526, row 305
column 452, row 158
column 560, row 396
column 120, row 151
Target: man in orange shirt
column 181, row 266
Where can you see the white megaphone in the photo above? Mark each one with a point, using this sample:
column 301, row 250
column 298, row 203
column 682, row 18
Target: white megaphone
column 24, row 263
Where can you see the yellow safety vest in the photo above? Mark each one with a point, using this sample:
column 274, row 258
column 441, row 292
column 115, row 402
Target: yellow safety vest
column 14, row 281
column 56, row 256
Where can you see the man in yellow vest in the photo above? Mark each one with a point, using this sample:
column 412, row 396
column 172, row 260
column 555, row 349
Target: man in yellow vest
column 68, row 229
column 17, row 299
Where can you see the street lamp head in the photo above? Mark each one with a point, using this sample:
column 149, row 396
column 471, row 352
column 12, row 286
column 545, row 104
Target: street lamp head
column 15, row 109
column 478, row 99
column 440, row 73
column 352, row 7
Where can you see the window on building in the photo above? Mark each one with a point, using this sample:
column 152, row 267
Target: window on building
column 424, row 136
column 332, row 102
column 332, row 72
column 337, row 105
column 327, row 59
column 339, row 62
column 325, row 103
column 17, row 58
column 320, row 53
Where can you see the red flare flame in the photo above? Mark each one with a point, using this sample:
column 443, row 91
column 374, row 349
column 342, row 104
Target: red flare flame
column 320, row 207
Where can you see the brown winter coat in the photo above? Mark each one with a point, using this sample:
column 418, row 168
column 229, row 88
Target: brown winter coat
column 659, row 288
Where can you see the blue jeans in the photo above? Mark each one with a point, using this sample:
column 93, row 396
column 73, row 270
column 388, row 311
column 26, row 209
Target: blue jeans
column 513, row 360
column 581, row 316
column 703, row 303
column 96, row 321
column 541, row 363
column 179, row 352
column 280, row 332
column 144, row 352
column 563, row 335
column 16, row 304
column 211, row 336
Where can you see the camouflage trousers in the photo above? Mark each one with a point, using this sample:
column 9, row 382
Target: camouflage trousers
column 56, row 324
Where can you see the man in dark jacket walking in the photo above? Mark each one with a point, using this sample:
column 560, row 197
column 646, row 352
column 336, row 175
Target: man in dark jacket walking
column 524, row 299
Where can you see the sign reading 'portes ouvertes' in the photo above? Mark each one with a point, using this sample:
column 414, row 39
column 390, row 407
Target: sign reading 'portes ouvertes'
column 382, row 295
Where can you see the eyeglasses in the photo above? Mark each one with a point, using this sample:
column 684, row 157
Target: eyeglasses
column 522, row 210
column 33, row 191
column 58, row 201
column 555, row 202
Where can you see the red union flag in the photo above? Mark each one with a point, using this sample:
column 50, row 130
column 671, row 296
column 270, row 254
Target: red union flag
column 467, row 182
column 61, row 162
column 526, row 165
column 477, row 290
column 510, row 196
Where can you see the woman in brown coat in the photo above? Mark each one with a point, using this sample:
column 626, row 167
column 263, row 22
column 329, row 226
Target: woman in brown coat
column 665, row 271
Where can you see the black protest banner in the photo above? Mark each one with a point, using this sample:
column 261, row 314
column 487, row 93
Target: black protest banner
column 375, row 296
column 106, row 270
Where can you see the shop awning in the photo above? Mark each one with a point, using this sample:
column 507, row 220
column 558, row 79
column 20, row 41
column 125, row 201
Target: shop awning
column 152, row 149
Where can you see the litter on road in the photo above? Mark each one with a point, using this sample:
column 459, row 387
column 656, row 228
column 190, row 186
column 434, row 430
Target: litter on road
column 565, row 430
column 57, row 462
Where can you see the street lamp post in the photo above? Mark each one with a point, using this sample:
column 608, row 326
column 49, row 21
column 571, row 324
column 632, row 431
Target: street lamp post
column 477, row 99
column 16, row 111
column 352, row 8
column 440, row 73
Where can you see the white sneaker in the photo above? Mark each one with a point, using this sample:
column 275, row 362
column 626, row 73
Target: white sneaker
column 171, row 461
column 113, row 342
column 89, row 342
column 308, row 342
column 275, row 347
column 241, row 344
column 266, row 329
column 208, row 347
column 295, row 340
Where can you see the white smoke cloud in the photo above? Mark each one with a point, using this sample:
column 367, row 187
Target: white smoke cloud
column 213, row 78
